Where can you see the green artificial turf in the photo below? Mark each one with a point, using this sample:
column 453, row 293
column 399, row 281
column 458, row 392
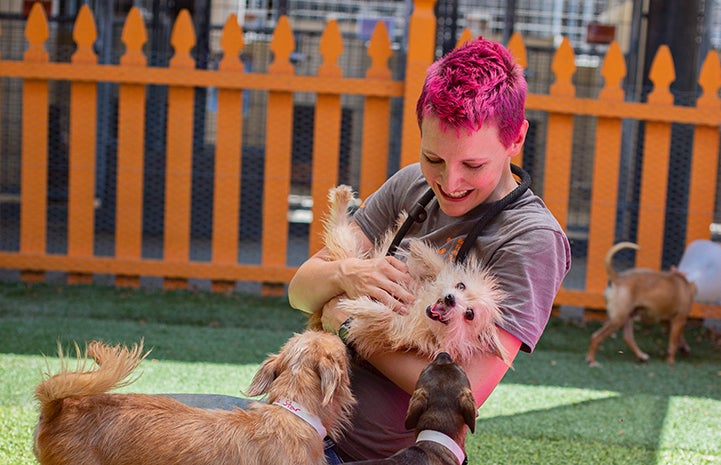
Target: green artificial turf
column 551, row 409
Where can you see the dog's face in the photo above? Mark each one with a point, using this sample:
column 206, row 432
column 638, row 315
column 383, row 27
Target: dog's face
column 311, row 358
column 463, row 298
column 461, row 301
column 443, row 400
column 311, row 368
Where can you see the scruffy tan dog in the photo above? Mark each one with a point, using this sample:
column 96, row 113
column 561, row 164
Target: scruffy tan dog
column 649, row 295
column 441, row 410
column 307, row 385
column 456, row 308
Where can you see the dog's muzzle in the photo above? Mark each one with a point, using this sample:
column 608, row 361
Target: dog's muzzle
column 439, row 310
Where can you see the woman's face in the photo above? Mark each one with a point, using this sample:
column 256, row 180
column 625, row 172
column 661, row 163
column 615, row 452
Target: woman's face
column 464, row 168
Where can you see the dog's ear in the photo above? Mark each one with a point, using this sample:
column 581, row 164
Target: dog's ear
column 264, row 377
column 424, row 262
column 416, row 407
column 468, row 409
column 331, row 377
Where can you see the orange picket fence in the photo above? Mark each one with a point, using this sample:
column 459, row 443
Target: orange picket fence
column 378, row 89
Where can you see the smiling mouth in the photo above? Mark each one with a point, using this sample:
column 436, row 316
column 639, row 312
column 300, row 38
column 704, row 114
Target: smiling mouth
column 455, row 195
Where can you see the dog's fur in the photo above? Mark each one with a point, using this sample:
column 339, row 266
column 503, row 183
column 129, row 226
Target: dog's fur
column 650, row 295
column 442, row 402
column 81, row 424
column 456, row 308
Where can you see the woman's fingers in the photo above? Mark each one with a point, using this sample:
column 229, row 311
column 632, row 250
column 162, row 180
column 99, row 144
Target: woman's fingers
column 384, row 279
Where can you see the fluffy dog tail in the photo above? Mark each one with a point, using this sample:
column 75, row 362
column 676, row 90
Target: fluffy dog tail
column 609, row 257
column 114, row 366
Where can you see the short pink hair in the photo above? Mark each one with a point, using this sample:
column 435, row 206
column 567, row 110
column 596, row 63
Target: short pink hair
column 477, row 82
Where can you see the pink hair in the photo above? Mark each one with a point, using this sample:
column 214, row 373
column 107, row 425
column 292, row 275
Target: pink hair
column 477, row 82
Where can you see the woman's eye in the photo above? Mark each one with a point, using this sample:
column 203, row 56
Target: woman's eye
column 461, row 287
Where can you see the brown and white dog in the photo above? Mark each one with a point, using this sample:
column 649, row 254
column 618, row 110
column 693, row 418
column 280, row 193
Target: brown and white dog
column 649, row 295
column 308, row 391
column 441, row 410
column 456, row 308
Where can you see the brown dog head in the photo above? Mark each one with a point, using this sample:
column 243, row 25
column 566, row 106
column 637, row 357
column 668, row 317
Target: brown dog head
column 312, row 368
column 443, row 400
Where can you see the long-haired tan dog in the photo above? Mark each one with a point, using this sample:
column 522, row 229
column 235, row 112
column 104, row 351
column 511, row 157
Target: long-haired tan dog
column 647, row 294
column 441, row 410
column 456, row 308
column 306, row 383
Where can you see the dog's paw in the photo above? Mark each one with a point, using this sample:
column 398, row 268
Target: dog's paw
column 643, row 357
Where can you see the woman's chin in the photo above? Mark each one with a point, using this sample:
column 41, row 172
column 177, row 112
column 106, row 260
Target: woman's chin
column 455, row 208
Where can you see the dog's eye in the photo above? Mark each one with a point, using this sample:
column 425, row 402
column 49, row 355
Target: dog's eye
column 470, row 314
column 461, row 287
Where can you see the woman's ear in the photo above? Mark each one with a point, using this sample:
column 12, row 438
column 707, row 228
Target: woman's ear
column 517, row 144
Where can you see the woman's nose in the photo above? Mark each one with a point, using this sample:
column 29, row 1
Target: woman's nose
column 452, row 180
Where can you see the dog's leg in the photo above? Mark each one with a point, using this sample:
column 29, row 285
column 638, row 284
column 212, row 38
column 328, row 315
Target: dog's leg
column 608, row 328
column 675, row 338
column 372, row 328
column 631, row 341
column 683, row 346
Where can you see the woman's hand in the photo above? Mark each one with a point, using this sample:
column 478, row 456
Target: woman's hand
column 321, row 278
column 384, row 279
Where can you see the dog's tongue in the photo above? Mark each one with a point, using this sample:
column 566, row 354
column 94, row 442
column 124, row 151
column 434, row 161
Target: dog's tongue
column 436, row 312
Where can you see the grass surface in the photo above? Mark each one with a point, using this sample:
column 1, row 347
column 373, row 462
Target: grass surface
column 552, row 409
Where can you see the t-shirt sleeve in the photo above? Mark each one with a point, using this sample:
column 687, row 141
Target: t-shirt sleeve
column 530, row 268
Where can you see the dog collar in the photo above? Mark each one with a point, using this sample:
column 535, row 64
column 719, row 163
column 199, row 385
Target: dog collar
column 444, row 440
column 299, row 411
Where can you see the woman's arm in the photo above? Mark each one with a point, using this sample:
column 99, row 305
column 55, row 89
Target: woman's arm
column 319, row 279
column 484, row 372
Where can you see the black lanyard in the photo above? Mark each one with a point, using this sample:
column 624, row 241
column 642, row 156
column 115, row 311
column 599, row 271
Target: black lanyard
column 418, row 214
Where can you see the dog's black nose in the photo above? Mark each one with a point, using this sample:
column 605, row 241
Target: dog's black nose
column 443, row 357
column 449, row 300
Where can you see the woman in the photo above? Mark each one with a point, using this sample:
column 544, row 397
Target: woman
column 471, row 118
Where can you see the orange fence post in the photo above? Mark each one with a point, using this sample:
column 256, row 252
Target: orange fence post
column 34, row 163
column 656, row 156
column 81, row 176
column 518, row 50
column 228, row 155
column 376, row 117
column 179, row 153
column 326, row 132
column 421, row 40
column 559, row 147
column 131, row 140
column 606, row 163
column 278, row 149
column 704, row 175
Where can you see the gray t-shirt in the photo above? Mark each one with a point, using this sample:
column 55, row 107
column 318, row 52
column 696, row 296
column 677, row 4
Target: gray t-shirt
column 525, row 249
